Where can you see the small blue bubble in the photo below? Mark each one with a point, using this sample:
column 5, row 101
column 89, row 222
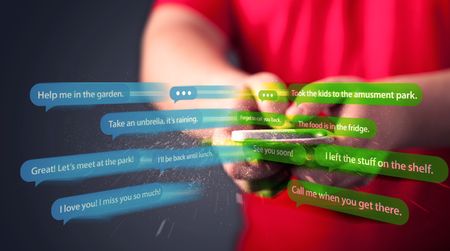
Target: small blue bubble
column 178, row 93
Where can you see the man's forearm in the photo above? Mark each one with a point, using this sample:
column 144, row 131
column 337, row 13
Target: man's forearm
column 181, row 48
column 430, row 121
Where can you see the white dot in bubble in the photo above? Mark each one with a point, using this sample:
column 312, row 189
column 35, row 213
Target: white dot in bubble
column 189, row 92
column 178, row 93
column 183, row 93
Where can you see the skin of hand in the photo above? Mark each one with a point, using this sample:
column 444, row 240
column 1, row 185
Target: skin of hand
column 180, row 47
column 397, row 126
column 255, row 175
column 323, row 176
column 424, row 125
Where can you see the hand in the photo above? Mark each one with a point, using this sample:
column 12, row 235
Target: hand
column 337, row 178
column 257, row 175
column 314, row 108
column 393, row 122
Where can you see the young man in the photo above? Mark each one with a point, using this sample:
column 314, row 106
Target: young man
column 303, row 41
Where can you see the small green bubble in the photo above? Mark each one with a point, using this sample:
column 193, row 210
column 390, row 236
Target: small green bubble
column 339, row 126
column 260, row 118
column 268, row 95
column 280, row 152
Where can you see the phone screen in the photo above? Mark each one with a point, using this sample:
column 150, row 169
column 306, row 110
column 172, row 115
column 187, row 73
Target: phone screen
column 303, row 136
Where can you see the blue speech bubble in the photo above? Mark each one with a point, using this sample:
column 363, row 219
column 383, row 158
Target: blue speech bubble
column 151, row 122
column 202, row 92
column 114, row 202
column 84, row 166
column 183, row 93
column 69, row 94
column 80, row 166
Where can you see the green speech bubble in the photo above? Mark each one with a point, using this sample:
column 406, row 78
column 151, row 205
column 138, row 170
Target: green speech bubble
column 270, row 95
column 370, row 206
column 395, row 94
column 260, row 118
column 339, row 126
column 395, row 164
column 281, row 152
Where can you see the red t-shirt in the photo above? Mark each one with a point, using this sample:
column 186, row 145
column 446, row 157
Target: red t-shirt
column 307, row 40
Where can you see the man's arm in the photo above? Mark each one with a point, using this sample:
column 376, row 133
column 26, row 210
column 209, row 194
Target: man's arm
column 428, row 123
column 180, row 47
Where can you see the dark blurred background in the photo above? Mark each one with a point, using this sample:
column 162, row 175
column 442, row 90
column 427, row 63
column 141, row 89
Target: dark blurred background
column 63, row 41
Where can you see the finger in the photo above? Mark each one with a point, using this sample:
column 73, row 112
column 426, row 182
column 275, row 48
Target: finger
column 253, row 175
column 270, row 185
column 238, row 103
column 264, row 82
column 314, row 109
column 251, row 171
column 352, row 111
column 311, row 109
column 331, row 178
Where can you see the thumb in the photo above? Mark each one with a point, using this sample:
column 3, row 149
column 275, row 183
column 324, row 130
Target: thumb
column 262, row 82
column 308, row 109
column 315, row 108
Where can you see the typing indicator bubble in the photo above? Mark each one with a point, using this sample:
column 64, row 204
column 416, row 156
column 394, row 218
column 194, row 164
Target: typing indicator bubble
column 270, row 95
column 178, row 93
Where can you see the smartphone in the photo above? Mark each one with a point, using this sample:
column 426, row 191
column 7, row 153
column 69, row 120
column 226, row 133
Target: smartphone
column 300, row 136
column 310, row 137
